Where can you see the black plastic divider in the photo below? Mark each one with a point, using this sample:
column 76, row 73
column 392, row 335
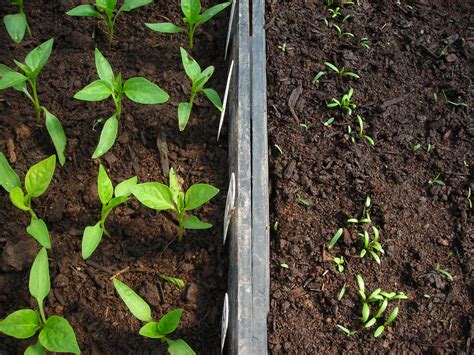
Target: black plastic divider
column 249, row 276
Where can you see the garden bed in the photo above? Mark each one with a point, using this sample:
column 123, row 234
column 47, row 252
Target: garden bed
column 148, row 143
column 417, row 53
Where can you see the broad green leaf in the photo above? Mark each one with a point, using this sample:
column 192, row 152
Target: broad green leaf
column 38, row 57
column 170, row 321
column 150, row 330
column 144, row 91
column 154, row 195
column 179, row 347
column 213, row 11
column 35, row 349
column 164, row 27
column 191, row 9
column 39, row 284
column 39, row 176
column 214, row 97
column 18, row 198
column 91, row 239
column 106, row 4
column 191, row 67
column 174, row 281
column 57, row 335
column 123, row 189
column 184, row 112
column 8, row 178
column 203, row 78
column 192, row 222
column 96, row 91
column 21, row 324
column 104, row 70
column 56, row 132
column 129, row 5
column 139, row 308
column 116, row 201
column 83, row 10
column 107, row 137
column 104, row 186
column 38, row 230
column 175, row 186
column 199, row 194
column 11, row 79
column 16, row 26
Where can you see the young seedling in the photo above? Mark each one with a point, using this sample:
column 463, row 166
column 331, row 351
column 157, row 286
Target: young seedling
column 335, row 238
column 347, row 331
column 37, row 180
column 335, row 12
column 152, row 329
column 340, row 31
column 174, row 281
column 55, row 333
column 366, row 217
column 302, row 201
column 360, row 134
column 305, row 126
column 283, row 47
column 371, row 246
column 341, row 292
column 416, row 147
column 17, row 24
column 457, row 104
column 318, row 76
column 468, row 197
column 341, row 72
column 199, row 79
column 193, row 18
column 106, row 10
column 339, row 261
column 436, row 181
column 445, row 273
column 345, row 103
column 139, row 90
column 160, row 197
column 284, row 266
column 364, row 43
column 329, row 121
column 110, row 198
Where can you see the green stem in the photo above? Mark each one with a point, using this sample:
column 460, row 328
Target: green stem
column 193, row 96
column 181, row 228
column 118, row 106
column 35, row 99
column 32, row 214
column 43, row 316
column 191, row 36
column 110, row 26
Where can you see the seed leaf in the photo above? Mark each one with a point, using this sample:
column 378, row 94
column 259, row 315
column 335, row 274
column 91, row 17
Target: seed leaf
column 184, row 111
column 39, row 283
column 39, row 176
column 365, row 312
column 139, row 308
column 38, row 230
column 192, row 222
column 18, row 199
column 21, row 324
column 199, row 194
column 154, row 195
column 38, row 57
column 83, row 10
column 16, row 26
column 8, row 178
column 174, row 281
column 179, row 347
column 96, row 91
column 335, row 238
column 379, row 331
column 57, row 335
column 164, row 27
column 214, row 97
column 91, row 239
column 56, row 132
column 143, row 91
column 107, row 137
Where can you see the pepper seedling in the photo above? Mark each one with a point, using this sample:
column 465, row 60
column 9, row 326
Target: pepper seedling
column 55, row 332
column 106, row 10
column 17, row 24
column 160, row 197
column 436, row 181
column 371, row 247
column 37, row 180
column 138, row 89
column 192, row 18
column 110, row 198
column 345, row 103
column 341, row 72
column 34, row 63
column 152, row 329
column 199, row 79
column 339, row 261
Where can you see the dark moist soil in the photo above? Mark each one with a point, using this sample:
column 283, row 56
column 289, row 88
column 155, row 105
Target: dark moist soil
column 82, row 291
column 421, row 226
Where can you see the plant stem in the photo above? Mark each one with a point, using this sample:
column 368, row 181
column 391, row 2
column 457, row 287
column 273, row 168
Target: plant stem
column 181, row 228
column 191, row 36
column 43, row 316
column 193, row 95
column 35, row 99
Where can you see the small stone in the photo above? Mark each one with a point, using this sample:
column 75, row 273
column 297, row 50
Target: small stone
column 22, row 132
column 192, row 294
column 451, row 58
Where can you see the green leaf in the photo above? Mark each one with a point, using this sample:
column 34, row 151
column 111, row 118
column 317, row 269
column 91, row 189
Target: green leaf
column 150, row 330
column 38, row 230
column 184, row 112
column 104, row 186
column 143, row 91
column 129, row 5
column 192, row 222
column 18, row 198
column 56, row 132
column 91, row 239
column 39, row 176
column 104, row 70
column 154, row 195
column 203, row 78
column 35, row 349
column 11, row 79
column 360, row 283
column 179, row 347
column 8, row 178
column 170, row 321
column 57, row 335
column 139, row 308
column 191, row 67
column 164, row 27
column 16, row 26
column 38, row 57
column 174, row 281
column 96, row 91
column 213, row 11
column 116, row 201
column 83, row 10
column 392, row 316
column 365, row 312
column 379, row 331
column 214, row 97
column 39, row 284
column 199, row 194
column 107, row 137
column 331, row 66
column 123, row 189
column 191, row 9
column 335, row 238
column 21, row 324
column 176, row 189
